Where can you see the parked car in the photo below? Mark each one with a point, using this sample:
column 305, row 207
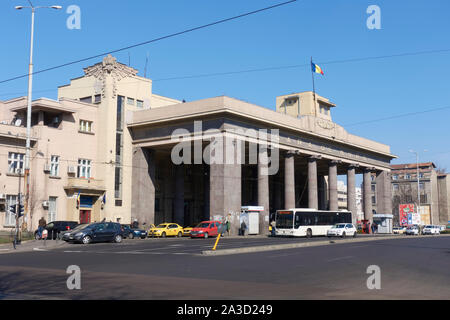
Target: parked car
column 430, row 229
column 54, row 229
column 342, row 230
column 131, row 233
column 399, row 230
column 413, row 230
column 205, row 229
column 187, row 231
column 96, row 232
column 166, row 230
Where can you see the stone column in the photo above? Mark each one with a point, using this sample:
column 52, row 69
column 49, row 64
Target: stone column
column 226, row 186
column 367, row 193
column 351, row 193
column 289, row 181
column 332, row 185
column 384, row 192
column 143, row 191
column 263, row 189
column 206, row 192
column 312, row 183
column 168, row 185
column 323, row 197
column 179, row 195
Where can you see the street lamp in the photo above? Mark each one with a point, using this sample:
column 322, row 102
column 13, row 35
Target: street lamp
column 30, row 85
column 418, row 179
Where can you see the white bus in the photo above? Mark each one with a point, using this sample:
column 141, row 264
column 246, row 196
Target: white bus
column 308, row 222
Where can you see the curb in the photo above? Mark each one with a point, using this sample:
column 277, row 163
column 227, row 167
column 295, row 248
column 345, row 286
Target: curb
column 303, row 245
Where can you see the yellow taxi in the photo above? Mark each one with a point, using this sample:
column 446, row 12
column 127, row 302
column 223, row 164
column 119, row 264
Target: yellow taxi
column 166, row 230
column 187, row 231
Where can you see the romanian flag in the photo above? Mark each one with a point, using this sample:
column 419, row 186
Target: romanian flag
column 78, row 199
column 315, row 68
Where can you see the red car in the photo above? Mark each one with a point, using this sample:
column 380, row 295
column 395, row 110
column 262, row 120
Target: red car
column 205, row 229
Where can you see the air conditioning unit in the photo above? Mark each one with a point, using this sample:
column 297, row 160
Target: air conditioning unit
column 71, row 169
column 46, row 167
column 18, row 171
column 2, row 196
column 45, row 204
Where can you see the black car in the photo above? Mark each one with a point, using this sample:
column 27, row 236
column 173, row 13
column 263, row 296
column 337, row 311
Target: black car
column 131, row 233
column 54, row 228
column 95, row 232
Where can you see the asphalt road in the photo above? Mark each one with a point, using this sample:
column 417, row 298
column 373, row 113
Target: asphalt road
column 411, row 268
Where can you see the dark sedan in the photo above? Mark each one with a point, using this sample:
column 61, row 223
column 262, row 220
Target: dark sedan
column 54, row 229
column 96, row 232
column 132, row 233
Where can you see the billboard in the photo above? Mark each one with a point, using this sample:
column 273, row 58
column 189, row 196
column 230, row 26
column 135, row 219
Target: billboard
column 404, row 210
column 425, row 215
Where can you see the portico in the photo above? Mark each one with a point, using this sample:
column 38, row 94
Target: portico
column 205, row 159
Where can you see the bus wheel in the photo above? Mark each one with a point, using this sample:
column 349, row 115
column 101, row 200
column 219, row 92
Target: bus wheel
column 309, row 233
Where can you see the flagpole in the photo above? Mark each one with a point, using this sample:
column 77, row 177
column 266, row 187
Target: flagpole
column 314, row 87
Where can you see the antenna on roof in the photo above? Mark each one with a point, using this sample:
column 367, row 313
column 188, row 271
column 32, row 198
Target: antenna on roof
column 129, row 59
column 146, row 64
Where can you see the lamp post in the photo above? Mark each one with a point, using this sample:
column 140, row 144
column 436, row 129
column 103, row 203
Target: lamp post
column 30, row 89
column 418, row 180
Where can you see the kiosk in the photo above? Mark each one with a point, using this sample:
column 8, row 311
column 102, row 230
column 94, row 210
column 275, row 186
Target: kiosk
column 250, row 215
column 384, row 222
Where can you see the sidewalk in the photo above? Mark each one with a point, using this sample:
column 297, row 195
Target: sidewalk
column 30, row 245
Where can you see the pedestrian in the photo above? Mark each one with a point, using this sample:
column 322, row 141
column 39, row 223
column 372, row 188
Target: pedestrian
column 228, row 227
column 368, row 227
column 41, row 226
column 243, row 227
column 273, row 224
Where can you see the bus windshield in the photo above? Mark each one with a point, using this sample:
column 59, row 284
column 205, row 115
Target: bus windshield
column 284, row 219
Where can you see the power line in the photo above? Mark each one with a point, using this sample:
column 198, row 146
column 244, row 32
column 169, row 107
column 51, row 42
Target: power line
column 204, row 75
column 396, row 116
column 153, row 40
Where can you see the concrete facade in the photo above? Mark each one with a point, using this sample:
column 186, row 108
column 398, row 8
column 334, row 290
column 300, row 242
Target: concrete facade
column 138, row 138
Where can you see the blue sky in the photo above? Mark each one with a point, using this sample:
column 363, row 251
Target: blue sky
column 290, row 35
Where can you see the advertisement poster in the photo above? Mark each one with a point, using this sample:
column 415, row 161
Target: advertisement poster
column 404, row 210
column 425, row 215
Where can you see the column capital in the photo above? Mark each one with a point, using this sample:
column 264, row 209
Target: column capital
column 352, row 166
column 290, row 153
column 334, row 161
column 314, row 158
column 369, row 169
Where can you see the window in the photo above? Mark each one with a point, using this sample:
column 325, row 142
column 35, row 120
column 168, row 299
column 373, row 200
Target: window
column 86, row 99
column 139, row 103
column 54, row 166
column 85, row 126
column 373, row 188
column 15, row 161
column 374, row 200
column 84, row 168
column 395, row 187
column 130, row 101
column 407, row 176
column 421, row 186
column 420, row 175
column 423, row 198
column 372, row 178
column 97, row 98
column 51, row 209
column 395, row 177
column 10, row 218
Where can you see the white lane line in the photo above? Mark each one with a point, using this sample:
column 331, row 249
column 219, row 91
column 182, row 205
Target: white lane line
column 358, row 247
column 340, row 258
column 69, row 251
column 5, row 249
column 39, row 249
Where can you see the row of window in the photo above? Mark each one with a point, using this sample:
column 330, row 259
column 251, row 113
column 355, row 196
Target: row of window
column 11, row 200
column 406, row 176
column 16, row 161
column 395, row 186
column 410, row 199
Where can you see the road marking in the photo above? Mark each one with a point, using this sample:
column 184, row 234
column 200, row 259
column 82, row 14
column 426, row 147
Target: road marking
column 340, row 258
column 39, row 249
column 69, row 251
column 5, row 249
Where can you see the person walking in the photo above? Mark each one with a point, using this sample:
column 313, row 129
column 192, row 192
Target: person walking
column 228, row 227
column 41, row 226
column 243, row 227
column 273, row 224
